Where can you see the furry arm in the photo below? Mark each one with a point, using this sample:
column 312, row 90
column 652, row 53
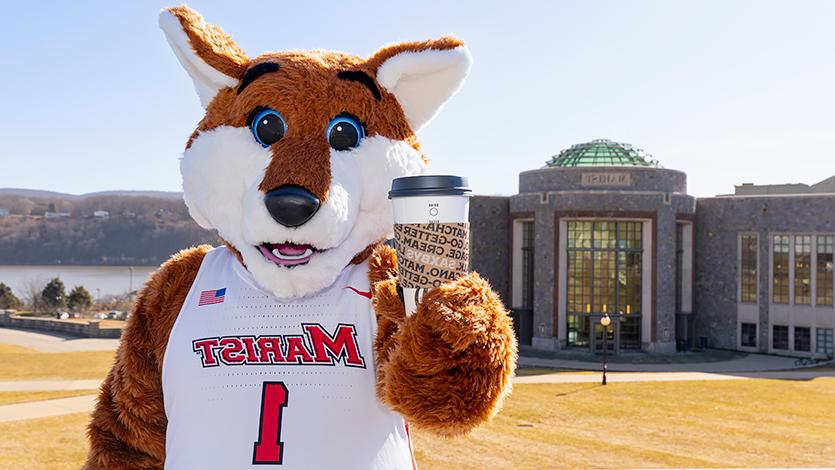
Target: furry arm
column 447, row 367
column 127, row 430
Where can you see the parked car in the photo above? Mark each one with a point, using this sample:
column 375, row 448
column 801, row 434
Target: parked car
column 117, row 315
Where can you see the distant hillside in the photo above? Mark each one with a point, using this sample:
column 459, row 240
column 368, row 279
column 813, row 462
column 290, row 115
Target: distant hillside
column 160, row 194
column 109, row 228
column 38, row 193
column 33, row 193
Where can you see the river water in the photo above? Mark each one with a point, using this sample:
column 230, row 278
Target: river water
column 98, row 280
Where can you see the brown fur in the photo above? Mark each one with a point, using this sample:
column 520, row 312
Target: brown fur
column 302, row 157
column 127, row 430
column 214, row 46
column 364, row 254
column 378, row 58
column 447, row 368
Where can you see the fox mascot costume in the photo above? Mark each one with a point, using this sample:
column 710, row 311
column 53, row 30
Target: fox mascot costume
column 289, row 346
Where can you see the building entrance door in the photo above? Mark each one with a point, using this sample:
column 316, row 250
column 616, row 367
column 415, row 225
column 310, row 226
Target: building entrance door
column 613, row 338
column 604, row 275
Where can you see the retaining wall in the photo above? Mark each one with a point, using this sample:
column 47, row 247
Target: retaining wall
column 90, row 329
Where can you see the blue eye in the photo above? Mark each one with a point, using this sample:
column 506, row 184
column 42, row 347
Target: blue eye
column 268, row 127
column 344, row 132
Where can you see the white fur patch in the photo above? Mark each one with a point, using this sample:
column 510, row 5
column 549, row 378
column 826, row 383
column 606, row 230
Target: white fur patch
column 221, row 174
column 218, row 170
column 423, row 81
column 207, row 80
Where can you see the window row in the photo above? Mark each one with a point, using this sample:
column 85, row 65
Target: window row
column 780, row 338
column 793, row 258
column 798, row 248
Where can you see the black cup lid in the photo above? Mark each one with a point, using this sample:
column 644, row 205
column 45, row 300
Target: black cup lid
column 430, row 185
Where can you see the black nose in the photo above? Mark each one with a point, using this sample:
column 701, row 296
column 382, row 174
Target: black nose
column 291, row 205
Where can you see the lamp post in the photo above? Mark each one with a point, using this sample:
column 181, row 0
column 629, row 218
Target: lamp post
column 605, row 321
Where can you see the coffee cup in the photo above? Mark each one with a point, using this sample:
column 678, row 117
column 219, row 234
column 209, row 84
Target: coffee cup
column 431, row 232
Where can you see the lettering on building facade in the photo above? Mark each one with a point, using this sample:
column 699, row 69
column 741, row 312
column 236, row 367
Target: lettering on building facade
column 606, row 179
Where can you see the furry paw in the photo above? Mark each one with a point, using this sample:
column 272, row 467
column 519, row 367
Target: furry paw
column 463, row 311
column 448, row 366
column 387, row 302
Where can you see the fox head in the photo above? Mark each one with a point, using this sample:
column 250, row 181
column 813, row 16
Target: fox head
column 292, row 162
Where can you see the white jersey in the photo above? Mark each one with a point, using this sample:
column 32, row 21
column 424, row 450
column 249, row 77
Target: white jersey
column 251, row 380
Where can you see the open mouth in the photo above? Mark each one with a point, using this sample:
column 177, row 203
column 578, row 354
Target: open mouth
column 287, row 254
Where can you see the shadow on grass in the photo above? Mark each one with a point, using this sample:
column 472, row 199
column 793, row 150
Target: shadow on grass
column 530, row 371
column 578, row 390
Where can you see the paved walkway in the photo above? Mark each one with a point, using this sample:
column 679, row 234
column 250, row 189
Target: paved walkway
column 742, row 363
column 54, row 342
column 620, row 377
column 47, row 408
column 47, row 385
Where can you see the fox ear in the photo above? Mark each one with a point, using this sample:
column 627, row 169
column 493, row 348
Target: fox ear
column 209, row 56
column 422, row 75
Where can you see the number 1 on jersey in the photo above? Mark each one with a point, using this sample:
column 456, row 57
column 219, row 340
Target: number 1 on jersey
column 269, row 449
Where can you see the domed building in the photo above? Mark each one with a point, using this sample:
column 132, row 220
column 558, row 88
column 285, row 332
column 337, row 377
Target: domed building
column 604, row 230
column 611, row 230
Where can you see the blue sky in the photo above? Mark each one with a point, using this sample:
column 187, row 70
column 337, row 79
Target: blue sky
column 728, row 91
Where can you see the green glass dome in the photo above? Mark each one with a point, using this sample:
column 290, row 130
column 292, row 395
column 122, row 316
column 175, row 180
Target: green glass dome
column 601, row 152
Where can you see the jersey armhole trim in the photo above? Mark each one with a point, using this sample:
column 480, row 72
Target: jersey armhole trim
column 186, row 302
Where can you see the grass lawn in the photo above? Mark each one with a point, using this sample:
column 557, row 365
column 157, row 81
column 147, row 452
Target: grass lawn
column 19, row 363
column 102, row 323
column 764, row 423
column 8, row 398
column 640, row 425
column 112, row 324
column 47, row 443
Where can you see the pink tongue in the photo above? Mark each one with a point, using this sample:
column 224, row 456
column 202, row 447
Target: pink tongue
column 290, row 249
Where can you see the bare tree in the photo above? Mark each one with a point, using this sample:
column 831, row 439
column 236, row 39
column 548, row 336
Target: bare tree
column 120, row 302
column 32, row 287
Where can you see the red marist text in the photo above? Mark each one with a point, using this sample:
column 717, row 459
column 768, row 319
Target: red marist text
column 315, row 347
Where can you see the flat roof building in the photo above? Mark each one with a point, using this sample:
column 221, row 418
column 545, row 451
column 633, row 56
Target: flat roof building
column 603, row 229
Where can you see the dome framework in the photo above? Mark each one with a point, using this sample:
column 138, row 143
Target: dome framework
column 601, row 152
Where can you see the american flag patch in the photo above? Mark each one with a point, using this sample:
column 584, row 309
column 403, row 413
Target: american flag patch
column 211, row 297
